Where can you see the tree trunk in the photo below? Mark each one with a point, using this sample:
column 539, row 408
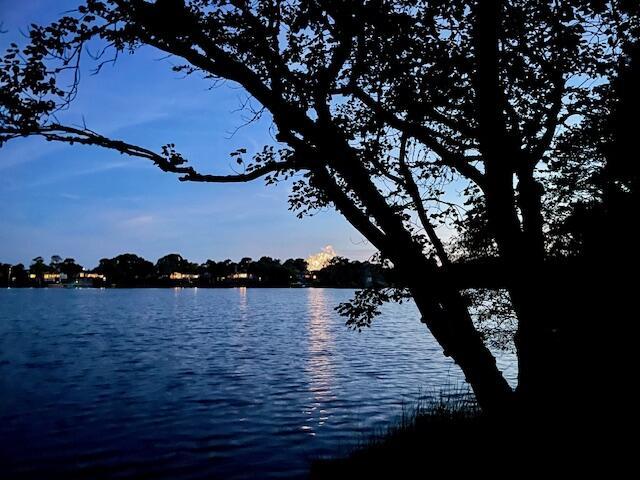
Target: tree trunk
column 574, row 339
column 541, row 366
column 448, row 319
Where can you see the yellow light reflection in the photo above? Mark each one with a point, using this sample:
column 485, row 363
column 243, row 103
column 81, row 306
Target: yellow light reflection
column 319, row 365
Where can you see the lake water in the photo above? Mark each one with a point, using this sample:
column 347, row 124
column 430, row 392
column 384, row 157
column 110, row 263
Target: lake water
column 195, row 383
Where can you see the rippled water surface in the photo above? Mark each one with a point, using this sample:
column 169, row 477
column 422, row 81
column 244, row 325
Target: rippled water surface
column 193, row 383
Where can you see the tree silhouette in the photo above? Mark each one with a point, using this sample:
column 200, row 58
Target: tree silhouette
column 56, row 260
column 13, row 275
column 381, row 109
column 173, row 262
column 5, row 274
column 126, row 269
column 69, row 267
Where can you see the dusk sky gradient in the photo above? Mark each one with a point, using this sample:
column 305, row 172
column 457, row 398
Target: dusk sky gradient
column 90, row 203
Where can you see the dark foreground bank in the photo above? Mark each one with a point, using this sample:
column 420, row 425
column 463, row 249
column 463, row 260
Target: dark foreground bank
column 447, row 439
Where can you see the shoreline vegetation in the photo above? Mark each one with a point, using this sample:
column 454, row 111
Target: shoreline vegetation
column 448, row 434
column 132, row 271
column 421, row 435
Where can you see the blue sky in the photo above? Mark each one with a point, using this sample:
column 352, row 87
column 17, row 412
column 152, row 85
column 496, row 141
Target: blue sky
column 90, row 203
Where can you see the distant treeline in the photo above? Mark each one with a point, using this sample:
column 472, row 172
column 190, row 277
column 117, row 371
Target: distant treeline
column 129, row 270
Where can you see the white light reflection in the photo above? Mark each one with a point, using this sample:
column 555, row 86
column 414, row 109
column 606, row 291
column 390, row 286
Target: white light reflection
column 319, row 367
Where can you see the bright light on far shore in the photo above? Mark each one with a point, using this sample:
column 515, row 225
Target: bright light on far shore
column 321, row 259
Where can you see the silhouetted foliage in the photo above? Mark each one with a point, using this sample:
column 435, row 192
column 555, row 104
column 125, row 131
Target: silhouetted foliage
column 69, row 267
column 39, row 268
column 5, row 274
column 344, row 273
column 126, row 270
column 14, row 275
column 384, row 110
column 174, row 263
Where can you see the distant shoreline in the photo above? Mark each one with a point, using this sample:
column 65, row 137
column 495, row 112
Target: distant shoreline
column 159, row 287
column 131, row 271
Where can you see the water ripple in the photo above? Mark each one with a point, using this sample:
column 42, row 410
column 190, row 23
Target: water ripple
column 194, row 384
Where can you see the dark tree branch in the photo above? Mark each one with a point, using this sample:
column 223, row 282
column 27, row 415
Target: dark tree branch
column 414, row 193
column 552, row 119
column 321, row 178
column 170, row 163
column 420, row 133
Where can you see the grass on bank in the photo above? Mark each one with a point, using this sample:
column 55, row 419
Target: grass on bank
column 429, row 432
column 449, row 436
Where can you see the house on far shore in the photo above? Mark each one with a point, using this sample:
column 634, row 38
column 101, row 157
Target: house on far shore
column 54, row 278
column 89, row 279
column 180, row 279
column 183, row 276
column 238, row 279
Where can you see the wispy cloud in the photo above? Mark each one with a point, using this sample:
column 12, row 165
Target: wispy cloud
column 67, row 174
column 137, row 221
column 70, row 196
